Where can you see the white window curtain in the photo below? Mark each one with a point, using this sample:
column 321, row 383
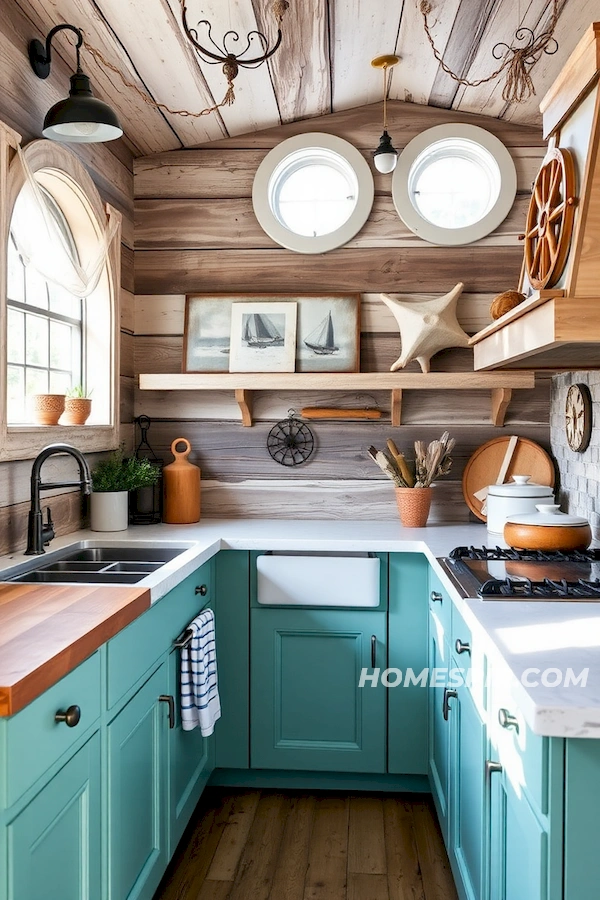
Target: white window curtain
column 42, row 243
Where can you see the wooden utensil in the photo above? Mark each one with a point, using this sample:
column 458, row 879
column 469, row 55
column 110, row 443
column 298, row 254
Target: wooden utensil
column 181, row 486
column 484, row 467
column 329, row 412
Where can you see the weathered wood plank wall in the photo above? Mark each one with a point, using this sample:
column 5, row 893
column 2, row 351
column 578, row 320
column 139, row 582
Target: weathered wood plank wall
column 195, row 232
column 24, row 100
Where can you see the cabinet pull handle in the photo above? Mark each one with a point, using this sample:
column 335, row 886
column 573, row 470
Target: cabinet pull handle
column 70, row 716
column 201, row 589
column 167, row 698
column 462, row 648
column 373, row 651
column 436, row 597
column 449, row 694
column 490, row 768
column 508, row 721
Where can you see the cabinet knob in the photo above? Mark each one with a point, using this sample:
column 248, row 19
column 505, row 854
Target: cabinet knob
column 201, row 589
column 449, row 694
column 462, row 648
column 436, row 597
column 70, row 717
column 508, row 721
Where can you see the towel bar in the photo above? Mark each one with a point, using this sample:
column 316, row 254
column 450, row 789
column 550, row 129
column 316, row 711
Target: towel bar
column 186, row 635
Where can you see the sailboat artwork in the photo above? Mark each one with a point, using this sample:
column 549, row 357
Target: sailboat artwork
column 322, row 339
column 260, row 331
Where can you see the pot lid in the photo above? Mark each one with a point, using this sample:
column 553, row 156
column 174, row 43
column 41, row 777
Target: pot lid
column 520, row 486
column 549, row 514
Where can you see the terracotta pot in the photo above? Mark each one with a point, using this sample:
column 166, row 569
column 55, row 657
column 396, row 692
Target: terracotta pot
column 413, row 506
column 548, row 529
column 48, row 408
column 77, row 411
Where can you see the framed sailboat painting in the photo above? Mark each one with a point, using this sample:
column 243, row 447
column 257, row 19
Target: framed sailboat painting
column 327, row 331
column 263, row 337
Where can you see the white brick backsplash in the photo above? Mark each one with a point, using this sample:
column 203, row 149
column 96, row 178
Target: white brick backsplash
column 579, row 473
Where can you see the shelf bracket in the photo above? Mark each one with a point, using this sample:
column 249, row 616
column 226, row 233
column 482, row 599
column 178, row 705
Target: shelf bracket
column 244, row 400
column 501, row 398
column 396, row 414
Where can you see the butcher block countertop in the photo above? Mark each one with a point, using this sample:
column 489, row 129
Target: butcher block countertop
column 47, row 630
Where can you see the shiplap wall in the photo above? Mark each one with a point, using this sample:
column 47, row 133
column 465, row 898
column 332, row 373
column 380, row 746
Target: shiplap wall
column 195, row 232
column 24, row 100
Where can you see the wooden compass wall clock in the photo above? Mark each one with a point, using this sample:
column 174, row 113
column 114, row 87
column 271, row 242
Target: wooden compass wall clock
column 578, row 417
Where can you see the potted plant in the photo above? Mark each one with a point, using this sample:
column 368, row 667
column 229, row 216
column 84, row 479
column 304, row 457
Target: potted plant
column 413, row 481
column 112, row 479
column 78, row 406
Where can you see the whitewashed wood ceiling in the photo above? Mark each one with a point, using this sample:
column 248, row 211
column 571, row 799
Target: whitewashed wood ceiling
column 322, row 66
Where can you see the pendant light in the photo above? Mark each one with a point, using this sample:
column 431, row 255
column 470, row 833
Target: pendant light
column 80, row 117
column 386, row 156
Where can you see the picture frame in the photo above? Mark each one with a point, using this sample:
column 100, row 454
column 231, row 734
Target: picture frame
column 263, row 336
column 207, row 330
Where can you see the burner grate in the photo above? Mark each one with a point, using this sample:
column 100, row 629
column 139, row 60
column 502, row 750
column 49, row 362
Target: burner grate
column 523, row 588
column 508, row 553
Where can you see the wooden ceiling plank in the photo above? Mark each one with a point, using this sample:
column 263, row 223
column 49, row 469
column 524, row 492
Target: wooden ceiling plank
column 418, row 67
column 166, row 63
column 300, row 69
column 144, row 125
column 575, row 20
column 468, row 26
column 486, row 99
column 353, row 46
column 255, row 106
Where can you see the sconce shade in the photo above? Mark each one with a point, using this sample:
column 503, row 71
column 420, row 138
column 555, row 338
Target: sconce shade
column 81, row 117
column 386, row 156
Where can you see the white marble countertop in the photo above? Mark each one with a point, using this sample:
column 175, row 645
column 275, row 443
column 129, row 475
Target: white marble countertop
column 517, row 636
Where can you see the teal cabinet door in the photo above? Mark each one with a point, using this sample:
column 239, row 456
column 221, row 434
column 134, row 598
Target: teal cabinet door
column 518, row 847
column 191, row 761
column 54, row 843
column 137, row 813
column 467, row 764
column 307, row 709
column 441, row 710
column 407, row 703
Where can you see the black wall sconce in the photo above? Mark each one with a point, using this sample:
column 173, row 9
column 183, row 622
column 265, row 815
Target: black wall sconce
column 80, row 117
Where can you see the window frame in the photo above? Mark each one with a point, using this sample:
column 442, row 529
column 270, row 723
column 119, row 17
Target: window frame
column 75, row 193
column 437, row 234
column 321, row 243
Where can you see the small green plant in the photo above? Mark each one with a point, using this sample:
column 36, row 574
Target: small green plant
column 79, row 392
column 120, row 473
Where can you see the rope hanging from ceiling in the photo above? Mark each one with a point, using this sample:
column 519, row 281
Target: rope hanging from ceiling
column 516, row 61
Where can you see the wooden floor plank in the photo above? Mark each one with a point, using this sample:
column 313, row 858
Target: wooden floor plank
column 367, row 887
column 435, row 867
column 213, row 890
column 292, row 864
column 404, row 873
column 328, row 853
column 366, row 837
column 233, row 839
column 256, row 869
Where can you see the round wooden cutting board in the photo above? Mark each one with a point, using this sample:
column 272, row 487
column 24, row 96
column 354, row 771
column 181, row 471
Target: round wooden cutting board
column 483, row 467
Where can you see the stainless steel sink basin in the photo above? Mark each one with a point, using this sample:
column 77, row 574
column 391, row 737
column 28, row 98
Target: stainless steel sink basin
column 90, row 563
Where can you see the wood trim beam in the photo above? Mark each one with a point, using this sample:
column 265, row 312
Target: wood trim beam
column 501, row 398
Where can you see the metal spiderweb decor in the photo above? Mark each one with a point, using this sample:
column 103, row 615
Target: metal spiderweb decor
column 290, row 442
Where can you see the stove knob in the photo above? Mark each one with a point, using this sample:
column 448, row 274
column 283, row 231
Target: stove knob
column 508, row 721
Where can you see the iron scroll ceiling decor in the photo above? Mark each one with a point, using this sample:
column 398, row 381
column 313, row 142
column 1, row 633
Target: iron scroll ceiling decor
column 224, row 54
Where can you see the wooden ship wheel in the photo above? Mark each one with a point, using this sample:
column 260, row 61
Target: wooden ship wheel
column 550, row 219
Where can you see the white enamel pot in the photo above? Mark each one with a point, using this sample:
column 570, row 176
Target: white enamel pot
column 515, row 498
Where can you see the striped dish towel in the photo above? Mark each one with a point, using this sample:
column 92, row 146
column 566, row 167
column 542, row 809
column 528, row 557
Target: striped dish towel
column 200, row 704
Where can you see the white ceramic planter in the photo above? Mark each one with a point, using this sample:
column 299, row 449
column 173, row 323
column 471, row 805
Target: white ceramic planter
column 109, row 510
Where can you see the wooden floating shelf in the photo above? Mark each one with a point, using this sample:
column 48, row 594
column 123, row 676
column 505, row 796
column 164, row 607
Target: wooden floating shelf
column 500, row 385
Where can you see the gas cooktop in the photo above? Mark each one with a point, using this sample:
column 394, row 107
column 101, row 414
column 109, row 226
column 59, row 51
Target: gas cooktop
column 506, row 574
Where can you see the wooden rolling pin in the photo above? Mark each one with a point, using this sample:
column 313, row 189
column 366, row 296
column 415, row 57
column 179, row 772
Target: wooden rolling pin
column 326, row 412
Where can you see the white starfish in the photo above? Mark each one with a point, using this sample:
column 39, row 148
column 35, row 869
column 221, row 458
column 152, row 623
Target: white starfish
column 426, row 327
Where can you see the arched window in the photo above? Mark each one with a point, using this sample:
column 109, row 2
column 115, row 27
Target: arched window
column 55, row 337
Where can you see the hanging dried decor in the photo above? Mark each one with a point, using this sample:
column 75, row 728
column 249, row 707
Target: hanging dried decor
column 517, row 61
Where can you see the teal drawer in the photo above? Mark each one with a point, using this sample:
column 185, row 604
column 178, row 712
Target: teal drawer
column 132, row 652
column 440, row 608
column 34, row 740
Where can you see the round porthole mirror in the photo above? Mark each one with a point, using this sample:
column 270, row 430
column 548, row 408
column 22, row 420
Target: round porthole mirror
column 313, row 192
column 454, row 184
